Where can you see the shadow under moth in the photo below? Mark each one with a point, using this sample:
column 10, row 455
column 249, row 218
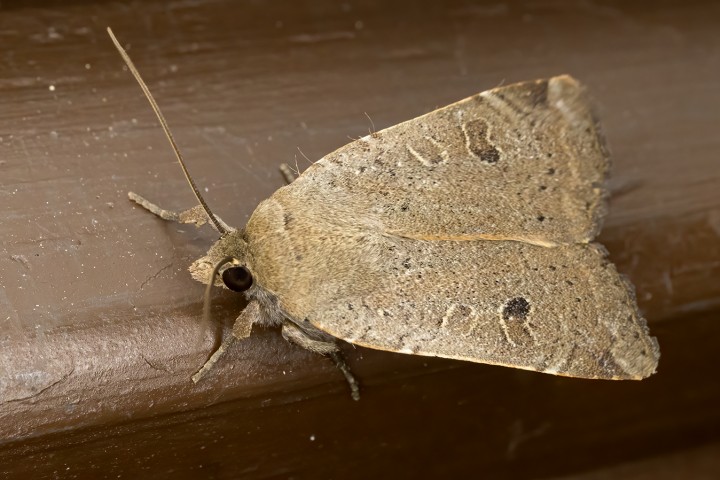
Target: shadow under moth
column 466, row 233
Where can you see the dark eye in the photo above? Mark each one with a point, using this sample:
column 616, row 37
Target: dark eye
column 237, row 279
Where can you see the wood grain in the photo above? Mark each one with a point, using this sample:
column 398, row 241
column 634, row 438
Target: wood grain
column 99, row 316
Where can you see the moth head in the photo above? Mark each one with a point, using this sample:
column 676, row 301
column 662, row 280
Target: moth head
column 225, row 264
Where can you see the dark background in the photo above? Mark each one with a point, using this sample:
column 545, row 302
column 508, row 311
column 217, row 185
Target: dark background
column 99, row 329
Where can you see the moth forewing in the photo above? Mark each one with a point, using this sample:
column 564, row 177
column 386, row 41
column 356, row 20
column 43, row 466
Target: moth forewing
column 425, row 237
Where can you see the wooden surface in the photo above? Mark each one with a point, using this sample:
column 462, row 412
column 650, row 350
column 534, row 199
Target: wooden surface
column 99, row 327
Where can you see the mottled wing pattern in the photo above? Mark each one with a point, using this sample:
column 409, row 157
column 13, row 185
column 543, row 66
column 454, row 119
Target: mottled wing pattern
column 563, row 310
column 525, row 161
column 463, row 234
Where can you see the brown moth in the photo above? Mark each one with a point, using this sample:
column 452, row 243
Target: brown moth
column 465, row 233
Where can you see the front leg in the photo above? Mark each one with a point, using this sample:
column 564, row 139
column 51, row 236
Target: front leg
column 195, row 215
column 323, row 344
column 241, row 329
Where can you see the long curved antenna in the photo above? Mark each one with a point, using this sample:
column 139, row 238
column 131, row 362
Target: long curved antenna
column 220, row 228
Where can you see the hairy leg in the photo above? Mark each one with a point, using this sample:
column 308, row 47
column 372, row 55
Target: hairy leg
column 288, row 173
column 195, row 215
column 322, row 343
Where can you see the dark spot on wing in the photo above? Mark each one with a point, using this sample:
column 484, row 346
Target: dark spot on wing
column 478, row 143
column 516, row 309
column 490, row 155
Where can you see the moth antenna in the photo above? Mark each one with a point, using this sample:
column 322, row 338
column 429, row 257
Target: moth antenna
column 220, row 228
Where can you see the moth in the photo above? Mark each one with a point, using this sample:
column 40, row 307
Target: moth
column 465, row 233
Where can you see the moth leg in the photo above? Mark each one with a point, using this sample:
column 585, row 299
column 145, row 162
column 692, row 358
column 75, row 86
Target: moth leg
column 227, row 341
column 195, row 215
column 241, row 329
column 323, row 344
column 287, row 172
column 339, row 359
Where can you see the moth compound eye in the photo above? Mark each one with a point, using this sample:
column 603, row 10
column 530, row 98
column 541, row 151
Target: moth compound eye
column 237, row 279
